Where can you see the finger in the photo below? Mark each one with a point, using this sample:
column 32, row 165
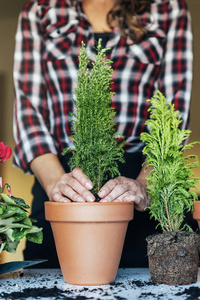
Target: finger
column 108, row 187
column 76, row 192
column 132, row 198
column 127, row 197
column 82, row 178
column 142, row 204
column 73, row 186
column 57, row 197
column 117, row 192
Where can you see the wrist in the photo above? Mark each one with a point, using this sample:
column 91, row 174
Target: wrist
column 50, row 172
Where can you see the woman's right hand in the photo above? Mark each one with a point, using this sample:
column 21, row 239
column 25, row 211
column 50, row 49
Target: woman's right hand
column 59, row 185
column 73, row 186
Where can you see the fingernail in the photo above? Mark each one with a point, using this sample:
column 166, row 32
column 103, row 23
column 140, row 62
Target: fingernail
column 102, row 193
column 80, row 199
column 89, row 185
column 103, row 200
column 90, row 199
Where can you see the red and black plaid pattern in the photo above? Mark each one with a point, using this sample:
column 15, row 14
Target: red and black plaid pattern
column 48, row 41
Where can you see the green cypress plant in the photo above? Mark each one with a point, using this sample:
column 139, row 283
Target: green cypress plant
column 171, row 179
column 97, row 150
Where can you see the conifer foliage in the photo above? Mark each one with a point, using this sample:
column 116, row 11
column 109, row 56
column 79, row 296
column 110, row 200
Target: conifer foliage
column 169, row 183
column 97, row 151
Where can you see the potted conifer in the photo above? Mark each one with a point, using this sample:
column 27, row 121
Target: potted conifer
column 89, row 237
column 174, row 254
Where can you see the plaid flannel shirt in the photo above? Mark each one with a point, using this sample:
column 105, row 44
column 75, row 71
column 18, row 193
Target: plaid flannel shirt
column 48, row 40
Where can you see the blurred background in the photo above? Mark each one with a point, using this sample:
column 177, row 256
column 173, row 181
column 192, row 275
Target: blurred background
column 20, row 183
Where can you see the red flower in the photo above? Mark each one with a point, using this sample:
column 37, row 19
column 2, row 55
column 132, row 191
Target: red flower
column 5, row 152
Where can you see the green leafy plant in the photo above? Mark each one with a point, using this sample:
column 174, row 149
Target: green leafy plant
column 97, row 149
column 15, row 224
column 14, row 221
column 171, row 179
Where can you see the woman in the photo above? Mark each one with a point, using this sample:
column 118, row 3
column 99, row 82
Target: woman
column 151, row 48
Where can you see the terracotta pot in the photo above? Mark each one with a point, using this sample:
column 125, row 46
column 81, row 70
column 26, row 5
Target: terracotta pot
column 196, row 212
column 89, row 239
column 173, row 257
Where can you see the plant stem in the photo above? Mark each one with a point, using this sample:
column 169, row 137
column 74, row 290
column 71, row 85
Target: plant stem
column 166, row 207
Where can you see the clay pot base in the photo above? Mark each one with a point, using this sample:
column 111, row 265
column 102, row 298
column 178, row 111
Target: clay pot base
column 89, row 239
column 173, row 257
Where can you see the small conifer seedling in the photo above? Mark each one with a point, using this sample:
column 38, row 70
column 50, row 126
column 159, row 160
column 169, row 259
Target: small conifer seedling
column 171, row 179
column 96, row 148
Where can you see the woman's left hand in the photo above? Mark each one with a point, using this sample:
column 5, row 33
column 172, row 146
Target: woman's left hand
column 122, row 189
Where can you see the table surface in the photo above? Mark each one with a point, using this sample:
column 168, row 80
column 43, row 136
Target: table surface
column 129, row 284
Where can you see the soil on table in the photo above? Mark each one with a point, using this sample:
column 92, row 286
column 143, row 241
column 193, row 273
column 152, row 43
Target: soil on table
column 115, row 291
column 174, row 257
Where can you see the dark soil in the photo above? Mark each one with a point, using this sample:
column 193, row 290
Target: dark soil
column 36, row 293
column 192, row 292
column 55, row 293
column 97, row 198
column 174, row 257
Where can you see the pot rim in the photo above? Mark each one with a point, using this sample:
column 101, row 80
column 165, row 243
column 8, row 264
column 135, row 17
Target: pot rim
column 89, row 212
column 88, row 203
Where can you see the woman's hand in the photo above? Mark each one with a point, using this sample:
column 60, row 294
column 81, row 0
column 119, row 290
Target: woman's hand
column 73, row 186
column 122, row 189
column 59, row 185
column 76, row 186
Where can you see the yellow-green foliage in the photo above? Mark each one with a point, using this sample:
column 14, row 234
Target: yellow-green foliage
column 97, row 151
column 170, row 182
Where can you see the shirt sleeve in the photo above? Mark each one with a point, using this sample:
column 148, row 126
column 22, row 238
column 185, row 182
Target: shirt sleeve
column 31, row 117
column 176, row 75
